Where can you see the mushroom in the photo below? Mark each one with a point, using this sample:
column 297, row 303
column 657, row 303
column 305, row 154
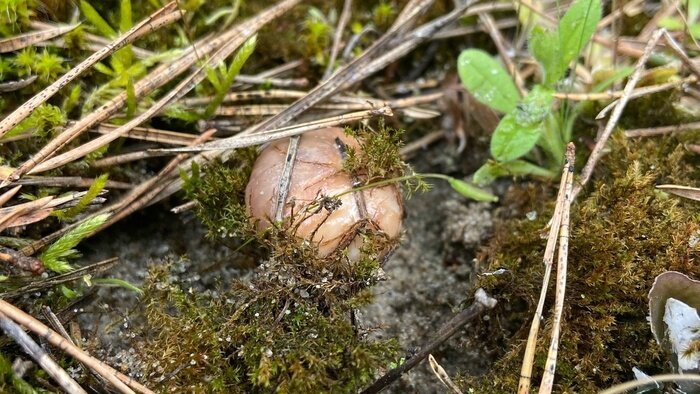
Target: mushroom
column 319, row 207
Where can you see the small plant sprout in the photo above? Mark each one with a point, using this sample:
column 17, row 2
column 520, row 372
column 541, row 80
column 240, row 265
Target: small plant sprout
column 56, row 256
column 530, row 121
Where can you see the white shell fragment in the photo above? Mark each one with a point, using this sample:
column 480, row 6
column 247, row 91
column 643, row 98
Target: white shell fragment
column 317, row 178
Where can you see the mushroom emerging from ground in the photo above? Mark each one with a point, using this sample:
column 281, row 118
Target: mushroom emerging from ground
column 318, row 208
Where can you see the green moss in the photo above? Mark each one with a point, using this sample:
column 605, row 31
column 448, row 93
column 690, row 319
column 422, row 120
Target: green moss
column 268, row 335
column 624, row 233
column 378, row 157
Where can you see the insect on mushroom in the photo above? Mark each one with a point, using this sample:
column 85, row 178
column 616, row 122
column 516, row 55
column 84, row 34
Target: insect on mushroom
column 321, row 206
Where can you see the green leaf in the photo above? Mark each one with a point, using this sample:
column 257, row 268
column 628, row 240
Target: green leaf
column 535, row 107
column 68, row 292
column 522, row 168
column 471, row 191
column 130, row 98
column 487, row 80
column 96, row 20
column 492, row 170
column 125, row 22
column 618, row 75
column 119, row 283
column 544, row 46
column 487, row 173
column 101, row 67
column 511, row 140
column 576, row 28
column 229, row 75
column 518, row 132
column 693, row 11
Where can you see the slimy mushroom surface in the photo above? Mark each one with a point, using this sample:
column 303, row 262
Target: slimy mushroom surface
column 317, row 208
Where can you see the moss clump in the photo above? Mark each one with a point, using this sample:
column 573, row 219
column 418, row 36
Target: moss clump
column 624, row 233
column 267, row 335
column 288, row 329
column 379, row 156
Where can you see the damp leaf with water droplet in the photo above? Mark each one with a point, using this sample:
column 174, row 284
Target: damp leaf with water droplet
column 487, row 80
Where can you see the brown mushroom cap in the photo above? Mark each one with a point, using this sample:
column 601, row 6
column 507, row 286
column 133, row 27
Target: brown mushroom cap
column 318, row 172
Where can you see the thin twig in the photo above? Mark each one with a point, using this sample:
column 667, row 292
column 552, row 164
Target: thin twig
column 242, row 139
column 58, row 374
column 40, row 285
column 442, row 375
column 158, row 77
column 638, row 92
column 164, row 16
column 597, row 152
column 10, row 44
column 119, row 380
column 481, row 303
column 562, row 260
column 548, row 259
column 338, row 37
column 662, row 130
column 655, row 379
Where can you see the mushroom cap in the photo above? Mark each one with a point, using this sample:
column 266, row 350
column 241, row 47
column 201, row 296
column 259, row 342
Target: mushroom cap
column 317, row 173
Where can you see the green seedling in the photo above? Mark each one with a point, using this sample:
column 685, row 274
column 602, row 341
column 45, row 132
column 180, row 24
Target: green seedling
column 318, row 29
column 530, row 121
column 95, row 189
column 56, row 257
column 691, row 22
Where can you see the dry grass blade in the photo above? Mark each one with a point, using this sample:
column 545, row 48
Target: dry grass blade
column 547, row 260
column 693, row 148
column 692, row 193
column 246, row 30
column 126, row 158
column 10, row 214
column 442, row 375
column 655, row 380
column 162, row 17
column 34, row 211
column 58, row 374
column 152, row 81
column 7, row 196
column 40, row 285
column 562, row 261
column 653, row 131
column 597, row 151
column 69, row 181
column 639, row 92
column 11, row 86
column 28, row 39
column 338, row 37
column 150, row 134
column 243, row 96
column 146, row 191
column 243, row 140
column 119, row 380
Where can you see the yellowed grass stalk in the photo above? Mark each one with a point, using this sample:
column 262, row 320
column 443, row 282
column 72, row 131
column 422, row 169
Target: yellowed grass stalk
column 119, row 380
column 562, row 261
column 548, row 259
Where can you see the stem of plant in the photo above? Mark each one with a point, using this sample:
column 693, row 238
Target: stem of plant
column 460, row 186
